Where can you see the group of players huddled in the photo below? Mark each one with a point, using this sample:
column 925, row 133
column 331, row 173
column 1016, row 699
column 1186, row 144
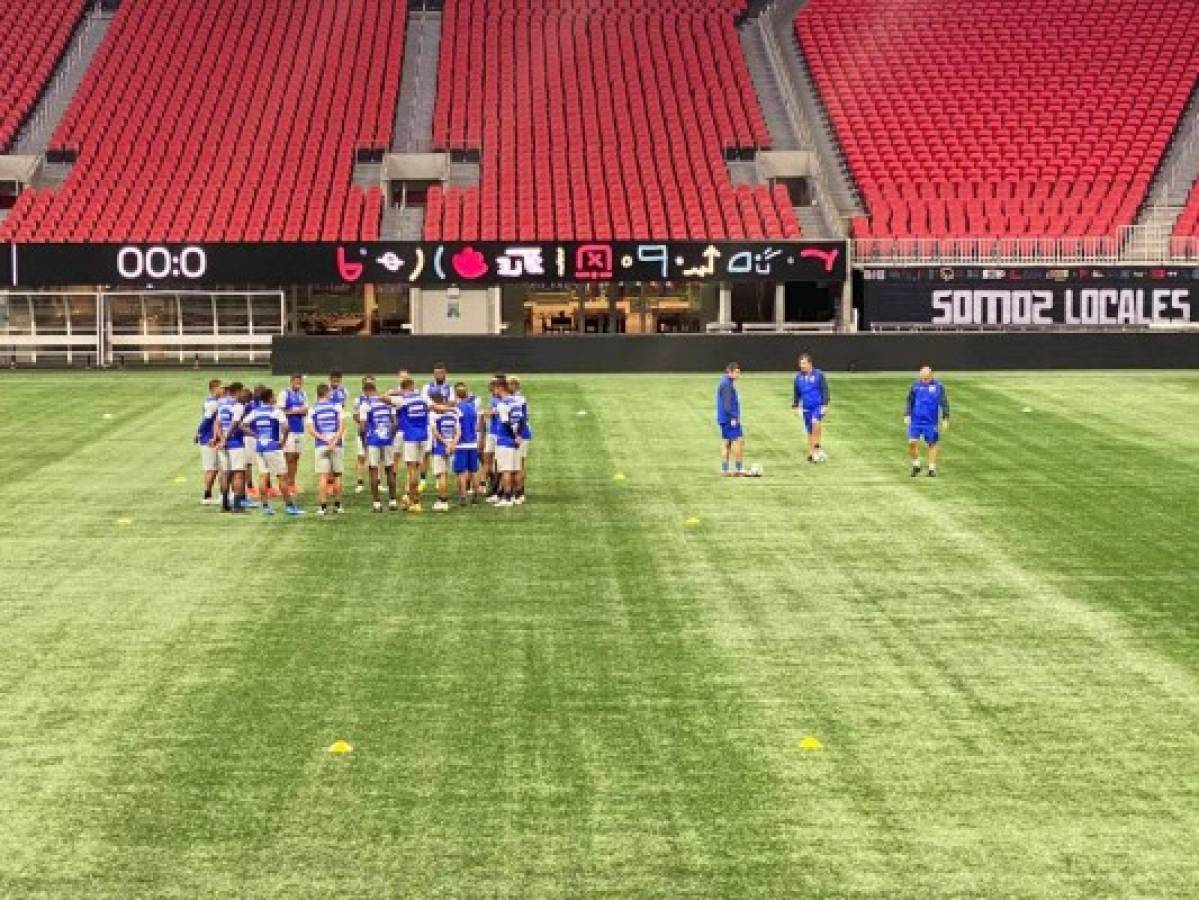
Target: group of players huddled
column 403, row 436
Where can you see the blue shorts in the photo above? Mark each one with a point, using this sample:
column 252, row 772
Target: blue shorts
column 730, row 432
column 924, row 431
column 466, row 462
column 810, row 416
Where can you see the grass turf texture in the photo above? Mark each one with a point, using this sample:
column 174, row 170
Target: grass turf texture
column 589, row 695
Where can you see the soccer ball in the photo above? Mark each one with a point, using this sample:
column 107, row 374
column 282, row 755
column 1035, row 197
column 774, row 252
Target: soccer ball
column 754, row 471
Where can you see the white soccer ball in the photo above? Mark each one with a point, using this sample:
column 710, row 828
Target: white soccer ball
column 755, row 471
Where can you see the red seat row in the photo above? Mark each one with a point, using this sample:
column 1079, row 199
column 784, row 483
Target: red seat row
column 996, row 118
column 33, row 37
column 599, row 121
column 231, row 120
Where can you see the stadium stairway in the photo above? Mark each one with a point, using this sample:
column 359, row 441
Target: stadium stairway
column 35, row 134
column 1150, row 238
column 836, row 190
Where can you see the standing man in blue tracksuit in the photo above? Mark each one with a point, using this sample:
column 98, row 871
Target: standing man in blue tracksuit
column 927, row 416
column 811, row 399
column 728, row 417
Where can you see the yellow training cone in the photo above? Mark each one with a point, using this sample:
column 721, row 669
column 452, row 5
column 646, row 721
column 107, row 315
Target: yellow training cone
column 692, row 522
column 340, row 748
column 179, row 479
column 619, row 476
column 811, row 743
column 123, row 522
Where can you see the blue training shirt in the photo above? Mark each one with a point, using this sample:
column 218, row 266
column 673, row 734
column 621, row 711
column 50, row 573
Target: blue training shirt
column 928, row 403
column 230, row 413
column 526, row 430
column 510, row 418
column 445, row 424
column 811, row 390
column 378, row 422
column 207, row 427
column 338, row 396
column 728, row 404
column 469, row 417
column 413, row 417
column 293, row 399
column 326, row 422
column 267, row 424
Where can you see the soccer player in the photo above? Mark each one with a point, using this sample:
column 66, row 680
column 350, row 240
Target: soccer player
column 526, row 437
column 295, row 407
column 268, row 425
column 728, row 417
column 337, row 392
column 378, row 426
column 927, row 416
column 437, row 393
column 447, row 431
column 466, row 456
column 412, row 419
column 360, row 471
column 206, row 439
column 508, row 415
column 491, row 488
column 811, row 398
column 231, row 445
column 327, row 426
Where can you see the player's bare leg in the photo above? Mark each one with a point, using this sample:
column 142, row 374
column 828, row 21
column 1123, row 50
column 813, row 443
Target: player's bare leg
column 414, row 480
column 739, row 455
column 914, row 456
column 932, row 460
column 360, row 473
column 815, row 442
column 725, row 447
column 293, row 468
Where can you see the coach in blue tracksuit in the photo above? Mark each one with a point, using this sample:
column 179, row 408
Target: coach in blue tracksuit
column 927, row 416
column 811, row 399
column 728, row 417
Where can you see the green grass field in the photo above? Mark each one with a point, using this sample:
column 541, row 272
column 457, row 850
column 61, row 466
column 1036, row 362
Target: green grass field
column 587, row 696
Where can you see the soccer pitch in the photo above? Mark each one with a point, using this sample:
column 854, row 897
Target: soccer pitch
column 589, row 695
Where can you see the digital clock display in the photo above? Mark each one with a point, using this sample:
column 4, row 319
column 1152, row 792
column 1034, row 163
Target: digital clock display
column 160, row 263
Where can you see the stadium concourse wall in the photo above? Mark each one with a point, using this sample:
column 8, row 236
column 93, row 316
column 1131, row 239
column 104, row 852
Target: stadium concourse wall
column 882, row 352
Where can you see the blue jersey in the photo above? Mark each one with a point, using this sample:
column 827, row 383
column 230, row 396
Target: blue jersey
column 326, row 422
column 292, row 399
column 439, row 393
column 338, row 396
column 468, row 415
column 811, row 390
column 510, row 418
column 230, row 414
column 378, row 423
column 493, row 424
column 728, row 404
column 526, row 430
column 267, row 423
column 445, row 424
column 928, row 403
column 207, row 428
column 413, row 417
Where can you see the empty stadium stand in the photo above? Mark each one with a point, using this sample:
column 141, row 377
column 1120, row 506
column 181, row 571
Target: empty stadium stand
column 984, row 119
column 227, row 120
column 1186, row 231
column 604, row 121
column 32, row 38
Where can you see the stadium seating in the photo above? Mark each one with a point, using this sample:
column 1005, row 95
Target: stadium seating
column 226, row 120
column 1001, row 118
column 33, row 37
column 599, row 121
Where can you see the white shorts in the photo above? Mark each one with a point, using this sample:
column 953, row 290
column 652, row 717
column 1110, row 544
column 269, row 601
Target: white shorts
column 233, row 459
column 441, row 465
column 414, row 452
column 272, row 463
column 295, row 443
column 380, row 457
column 210, row 458
column 489, row 443
column 330, row 460
column 428, row 445
column 524, row 450
column 507, row 459
column 251, row 448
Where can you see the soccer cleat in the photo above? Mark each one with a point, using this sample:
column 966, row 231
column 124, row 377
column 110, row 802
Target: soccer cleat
column 519, row 501
column 932, row 473
column 322, row 511
column 915, row 471
column 493, row 499
column 206, row 501
column 340, row 510
column 267, row 511
column 392, row 505
column 294, row 511
column 250, row 504
column 503, row 504
column 359, row 489
column 441, row 506
column 377, row 507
